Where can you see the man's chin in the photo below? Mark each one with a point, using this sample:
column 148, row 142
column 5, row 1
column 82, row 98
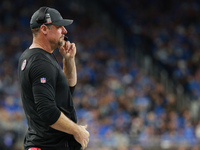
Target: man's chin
column 61, row 43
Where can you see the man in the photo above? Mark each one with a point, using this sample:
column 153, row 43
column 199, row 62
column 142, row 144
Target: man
column 46, row 89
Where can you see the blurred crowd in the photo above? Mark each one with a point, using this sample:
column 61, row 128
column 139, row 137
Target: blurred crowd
column 125, row 109
column 172, row 29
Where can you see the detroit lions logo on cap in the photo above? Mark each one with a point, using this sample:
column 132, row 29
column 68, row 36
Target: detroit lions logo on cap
column 48, row 18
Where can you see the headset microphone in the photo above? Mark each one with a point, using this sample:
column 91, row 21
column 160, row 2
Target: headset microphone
column 65, row 38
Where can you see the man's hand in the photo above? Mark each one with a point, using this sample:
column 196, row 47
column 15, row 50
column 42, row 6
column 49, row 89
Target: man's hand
column 83, row 136
column 68, row 50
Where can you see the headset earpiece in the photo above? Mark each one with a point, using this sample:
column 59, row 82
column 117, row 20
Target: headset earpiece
column 41, row 15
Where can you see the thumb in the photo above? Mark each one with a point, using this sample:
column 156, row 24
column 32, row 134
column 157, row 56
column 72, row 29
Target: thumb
column 85, row 126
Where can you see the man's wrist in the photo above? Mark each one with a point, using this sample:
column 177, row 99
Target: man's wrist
column 75, row 130
column 68, row 59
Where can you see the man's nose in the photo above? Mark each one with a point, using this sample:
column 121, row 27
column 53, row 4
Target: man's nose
column 64, row 30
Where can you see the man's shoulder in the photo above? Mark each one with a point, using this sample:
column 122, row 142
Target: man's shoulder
column 34, row 58
column 35, row 54
column 30, row 52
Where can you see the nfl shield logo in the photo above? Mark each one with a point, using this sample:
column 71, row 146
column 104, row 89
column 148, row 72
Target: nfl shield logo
column 43, row 80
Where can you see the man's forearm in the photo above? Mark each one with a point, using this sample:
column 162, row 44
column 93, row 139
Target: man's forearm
column 64, row 124
column 69, row 68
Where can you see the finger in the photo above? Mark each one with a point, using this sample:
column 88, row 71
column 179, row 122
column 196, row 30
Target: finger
column 88, row 140
column 73, row 45
column 67, row 42
column 67, row 45
column 88, row 134
column 83, row 146
column 64, row 44
column 85, row 143
column 85, row 126
column 70, row 47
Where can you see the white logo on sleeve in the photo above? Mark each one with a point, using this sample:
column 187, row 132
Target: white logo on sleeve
column 23, row 65
column 43, row 80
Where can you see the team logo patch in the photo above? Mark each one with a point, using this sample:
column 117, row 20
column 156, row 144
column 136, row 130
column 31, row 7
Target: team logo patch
column 43, row 80
column 23, row 65
column 48, row 18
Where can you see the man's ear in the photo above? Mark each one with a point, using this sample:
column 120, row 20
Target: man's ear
column 44, row 29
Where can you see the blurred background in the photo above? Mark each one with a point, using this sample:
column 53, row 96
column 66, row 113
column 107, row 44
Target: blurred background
column 138, row 64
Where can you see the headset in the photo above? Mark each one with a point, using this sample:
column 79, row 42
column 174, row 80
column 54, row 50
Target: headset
column 41, row 15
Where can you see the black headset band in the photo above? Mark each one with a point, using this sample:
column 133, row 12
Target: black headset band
column 41, row 15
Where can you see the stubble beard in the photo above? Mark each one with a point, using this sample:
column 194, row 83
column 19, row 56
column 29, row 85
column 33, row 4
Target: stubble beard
column 61, row 42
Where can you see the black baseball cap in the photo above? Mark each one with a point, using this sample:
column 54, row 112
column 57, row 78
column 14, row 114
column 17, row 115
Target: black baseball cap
column 46, row 15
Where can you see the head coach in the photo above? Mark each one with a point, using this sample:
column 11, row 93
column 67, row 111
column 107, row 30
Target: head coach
column 47, row 89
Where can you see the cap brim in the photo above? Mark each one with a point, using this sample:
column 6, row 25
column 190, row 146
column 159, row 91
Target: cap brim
column 64, row 22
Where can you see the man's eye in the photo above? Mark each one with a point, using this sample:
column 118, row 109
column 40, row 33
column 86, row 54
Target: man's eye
column 58, row 27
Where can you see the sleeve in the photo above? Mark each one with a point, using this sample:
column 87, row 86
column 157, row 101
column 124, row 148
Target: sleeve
column 43, row 77
column 72, row 88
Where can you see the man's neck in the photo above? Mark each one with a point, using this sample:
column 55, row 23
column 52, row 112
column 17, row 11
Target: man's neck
column 39, row 43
